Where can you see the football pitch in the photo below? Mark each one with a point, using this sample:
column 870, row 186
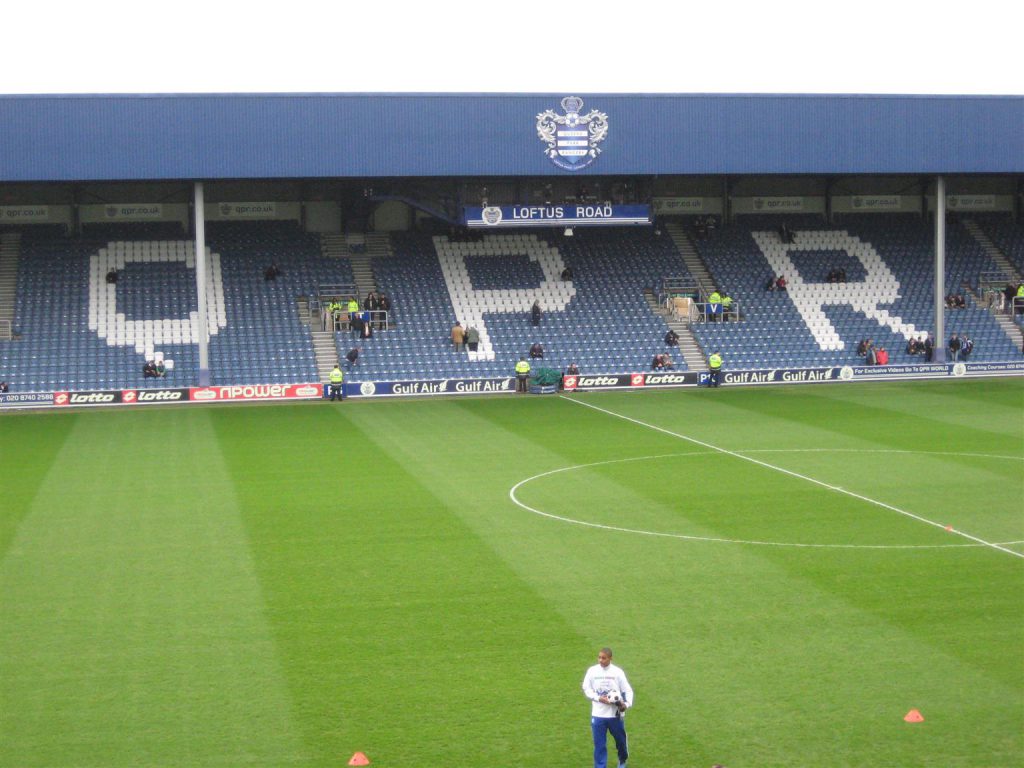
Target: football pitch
column 784, row 573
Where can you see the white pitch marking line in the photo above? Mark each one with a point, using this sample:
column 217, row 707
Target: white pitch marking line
column 619, row 529
column 797, row 475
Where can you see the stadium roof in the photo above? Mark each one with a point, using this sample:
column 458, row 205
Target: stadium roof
column 191, row 136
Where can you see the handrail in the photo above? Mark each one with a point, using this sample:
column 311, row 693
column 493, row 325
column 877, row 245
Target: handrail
column 340, row 320
column 337, row 291
column 678, row 286
column 993, row 280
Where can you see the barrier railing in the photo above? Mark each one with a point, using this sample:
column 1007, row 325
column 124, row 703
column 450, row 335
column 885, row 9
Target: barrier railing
column 992, row 286
column 338, row 320
column 679, row 287
column 703, row 313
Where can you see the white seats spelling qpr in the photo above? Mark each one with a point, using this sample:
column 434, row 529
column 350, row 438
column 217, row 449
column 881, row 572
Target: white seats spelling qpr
column 114, row 327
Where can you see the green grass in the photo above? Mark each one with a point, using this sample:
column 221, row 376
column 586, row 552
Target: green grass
column 284, row 586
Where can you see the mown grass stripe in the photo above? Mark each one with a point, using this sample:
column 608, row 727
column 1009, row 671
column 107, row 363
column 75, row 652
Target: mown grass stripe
column 131, row 623
column 802, row 477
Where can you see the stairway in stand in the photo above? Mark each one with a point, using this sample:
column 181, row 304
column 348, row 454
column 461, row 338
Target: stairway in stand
column 363, row 273
column 690, row 257
column 993, row 251
column 378, row 246
column 323, row 341
column 689, row 349
column 1005, row 318
column 10, row 248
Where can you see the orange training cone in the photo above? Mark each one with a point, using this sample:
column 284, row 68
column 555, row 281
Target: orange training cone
column 359, row 759
column 914, row 716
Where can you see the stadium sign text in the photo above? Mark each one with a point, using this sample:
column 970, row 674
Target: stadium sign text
column 255, row 392
column 127, row 212
column 133, row 396
column 670, row 205
column 607, row 381
column 265, row 210
column 98, row 397
column 25, row 399
column 876, row 202
column 426, row 387
column 836, row 374
column 666, row 379
column 25, row 212
column 555, row 215
column 971, row 202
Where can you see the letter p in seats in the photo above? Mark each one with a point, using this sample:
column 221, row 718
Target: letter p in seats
column 471, row 304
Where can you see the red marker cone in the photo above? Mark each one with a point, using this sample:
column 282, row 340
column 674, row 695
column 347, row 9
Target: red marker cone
column 914, row 716
column 359, row 759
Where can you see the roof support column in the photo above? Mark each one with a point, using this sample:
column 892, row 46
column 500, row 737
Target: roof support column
column 939, row 354
column 199, row 209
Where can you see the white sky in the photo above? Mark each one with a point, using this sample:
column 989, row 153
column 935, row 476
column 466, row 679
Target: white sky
column 560, row 46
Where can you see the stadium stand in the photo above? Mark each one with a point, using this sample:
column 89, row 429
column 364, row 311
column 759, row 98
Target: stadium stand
column 599, row 319
column 79, row 332
column 888, row 296
column 265, row 340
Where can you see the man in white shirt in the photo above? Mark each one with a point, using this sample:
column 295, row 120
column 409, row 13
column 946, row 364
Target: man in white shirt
column 607, row 687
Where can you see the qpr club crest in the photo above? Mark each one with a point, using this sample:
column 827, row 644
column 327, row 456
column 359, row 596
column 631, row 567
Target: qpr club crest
column 572, row 139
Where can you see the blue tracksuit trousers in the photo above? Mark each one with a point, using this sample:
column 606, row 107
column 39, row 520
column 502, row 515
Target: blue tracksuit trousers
column 600, row 726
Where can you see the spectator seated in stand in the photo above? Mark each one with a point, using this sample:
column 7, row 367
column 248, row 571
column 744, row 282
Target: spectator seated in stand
column 662, row 362
column 882, row 358
column 271, row 272
column 955, row 301
column 4, row 388
column 780, row 283
column 567, row 273
column 862, row 347
column 112, row 276
column 672, row 338
column 149, row 370
column 572, row 370
column 836, row 275
column 870, row 354
column 536, row 350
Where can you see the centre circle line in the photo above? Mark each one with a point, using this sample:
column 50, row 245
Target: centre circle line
column 797, row 475
column 688, row 537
